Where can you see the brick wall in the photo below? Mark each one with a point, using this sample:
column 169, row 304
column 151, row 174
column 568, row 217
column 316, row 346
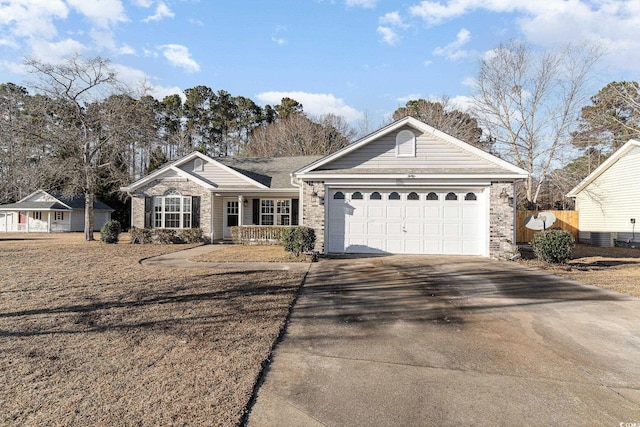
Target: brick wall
column 313, row 211
column 501, row 219
column 159, row 188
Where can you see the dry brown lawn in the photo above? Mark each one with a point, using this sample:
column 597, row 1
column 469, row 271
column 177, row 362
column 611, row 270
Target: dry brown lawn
column 88, row 336
column 617, row 269
column 247, row 253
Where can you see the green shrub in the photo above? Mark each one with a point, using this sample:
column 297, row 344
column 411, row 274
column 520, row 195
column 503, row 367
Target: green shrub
column 141, row 235
column 191, row 235
column 298, row 239
column 110, row 231
column 164, row 236
column 554, row 246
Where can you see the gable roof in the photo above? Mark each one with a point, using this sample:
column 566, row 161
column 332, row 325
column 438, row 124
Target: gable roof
column 174, row 167
column 58, row 202
column 260, row 172
column 498, row 166
column 631, row 144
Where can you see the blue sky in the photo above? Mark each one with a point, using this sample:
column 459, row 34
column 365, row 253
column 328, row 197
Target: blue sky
column 349, row 57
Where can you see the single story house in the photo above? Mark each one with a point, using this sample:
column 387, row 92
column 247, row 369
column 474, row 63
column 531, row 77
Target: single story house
column 406, row 188
column 43, row 212
column 607, row 199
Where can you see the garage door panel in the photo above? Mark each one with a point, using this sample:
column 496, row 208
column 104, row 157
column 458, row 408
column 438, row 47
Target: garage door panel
column 375, row 212
column 452, row 212
column 377, row 228
column 413, row 212
column 413, row 246
column 404, row 224
column 357, row 227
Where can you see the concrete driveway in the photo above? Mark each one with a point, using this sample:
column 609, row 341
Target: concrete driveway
column 408, row 340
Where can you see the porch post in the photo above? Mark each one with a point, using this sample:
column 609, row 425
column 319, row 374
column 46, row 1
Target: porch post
column 48, row 221
column 240, row 209
column 28, row 220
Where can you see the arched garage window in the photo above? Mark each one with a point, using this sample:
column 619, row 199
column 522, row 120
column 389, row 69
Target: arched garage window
column 432, row 196
column 413, row 196
column 394, row 196
column 338, row 196
column 356, row 196
column 451, row 196
column 375, row 196
column 470, row 196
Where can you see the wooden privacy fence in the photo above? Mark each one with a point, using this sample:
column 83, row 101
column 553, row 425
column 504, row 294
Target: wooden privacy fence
column 565, row 220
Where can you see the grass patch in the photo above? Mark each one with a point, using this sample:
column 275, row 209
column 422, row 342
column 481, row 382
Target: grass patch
column 249, row 253
column 88, row 336
column 617, row 269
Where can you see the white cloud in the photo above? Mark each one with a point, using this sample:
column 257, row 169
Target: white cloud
column 461, row 103
column 277, row 38
column 126, row 50
column 453, row 50
column 139, row 82
column 610, row 23
column 103, row 13
column 196, row 22
column 389, row 35
column 314, row 104
column 179, row 56
column 367, row 4
column 404, row 99
column 143, row 3
column 32, row 18
column 56, row 52
column 391, row 18
column 162, row 11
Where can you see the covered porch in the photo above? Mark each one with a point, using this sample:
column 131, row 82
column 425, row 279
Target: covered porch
column 259, row 216
column 34, row 220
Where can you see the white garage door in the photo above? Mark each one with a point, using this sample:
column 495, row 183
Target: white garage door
column 447, row 222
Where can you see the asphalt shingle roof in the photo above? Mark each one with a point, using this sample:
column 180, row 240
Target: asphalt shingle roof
column 273, row 172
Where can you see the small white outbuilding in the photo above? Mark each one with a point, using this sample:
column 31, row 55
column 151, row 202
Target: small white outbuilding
column 42, row 212
column 608, row 200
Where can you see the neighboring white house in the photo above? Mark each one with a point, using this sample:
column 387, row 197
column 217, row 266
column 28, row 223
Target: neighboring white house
column 406, row 188
column 608, row 200
column 42, row 212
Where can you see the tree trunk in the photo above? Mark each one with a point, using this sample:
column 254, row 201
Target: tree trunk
column 88, row 216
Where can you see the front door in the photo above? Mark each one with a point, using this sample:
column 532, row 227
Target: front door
column 231, row 212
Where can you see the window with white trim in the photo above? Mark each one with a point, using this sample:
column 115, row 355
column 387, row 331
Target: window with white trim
column 37, row 215
column 172, row 210
column 198, row 165
column 58, row 216
column 275, row 211
column 405, row 144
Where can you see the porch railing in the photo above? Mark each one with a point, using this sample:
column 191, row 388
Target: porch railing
column 258, row 234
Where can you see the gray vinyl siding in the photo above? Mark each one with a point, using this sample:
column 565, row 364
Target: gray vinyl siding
column 216, row 175
column 609, row 202
column 218, row 217
column 431, row 152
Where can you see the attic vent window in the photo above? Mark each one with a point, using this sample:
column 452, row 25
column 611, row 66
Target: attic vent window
column 405, row 144
column 198, row 165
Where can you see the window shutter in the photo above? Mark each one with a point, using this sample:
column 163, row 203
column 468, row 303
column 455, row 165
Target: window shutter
column 148, row 212
column 256, row 212
column 294, row 212
column 195, row 212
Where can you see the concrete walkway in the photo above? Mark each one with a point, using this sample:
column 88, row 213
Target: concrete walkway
column 436, row 341
column 181, row 259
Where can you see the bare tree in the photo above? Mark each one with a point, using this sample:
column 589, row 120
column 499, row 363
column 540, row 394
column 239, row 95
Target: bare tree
column 297, row 135
column 529, row 103
column 88, row 125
